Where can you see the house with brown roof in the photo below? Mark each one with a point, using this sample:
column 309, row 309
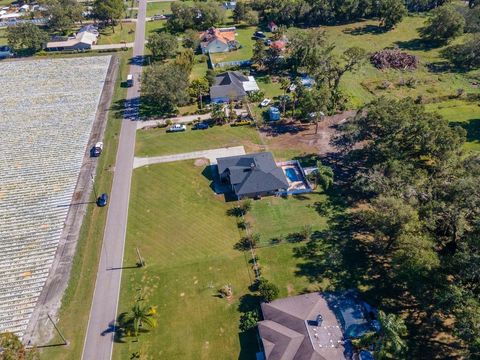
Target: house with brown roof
column 315, row 326
column 280, row 45
column 218, row 40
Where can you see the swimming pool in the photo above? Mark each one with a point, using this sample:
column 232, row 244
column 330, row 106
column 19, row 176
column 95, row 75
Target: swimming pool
column 292, row 175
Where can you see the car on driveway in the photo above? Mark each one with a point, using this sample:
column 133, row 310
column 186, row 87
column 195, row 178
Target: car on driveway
column 102, row 200
column 158, row 17
column 177, row 128
column 265, row 102
column 259, row 35
column 200, row 126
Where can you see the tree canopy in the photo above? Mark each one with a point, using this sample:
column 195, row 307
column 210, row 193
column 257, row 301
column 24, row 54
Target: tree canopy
column 62, row 14
column 391, row 12
column 444, row 24
column 109, row 11
column 465, row 56
column 26, row 37
column 200, row 16
column 162, row 45
column 421, row 212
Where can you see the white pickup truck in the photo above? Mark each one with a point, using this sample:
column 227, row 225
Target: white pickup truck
column 177, row 128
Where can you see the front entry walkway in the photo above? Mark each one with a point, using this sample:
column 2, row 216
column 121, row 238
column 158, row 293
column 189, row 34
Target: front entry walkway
column 211, row 155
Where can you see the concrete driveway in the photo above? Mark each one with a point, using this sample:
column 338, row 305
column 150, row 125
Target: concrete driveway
column 211, row 155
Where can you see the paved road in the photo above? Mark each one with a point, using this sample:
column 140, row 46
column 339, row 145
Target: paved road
column 211, row 155
column 100, row 331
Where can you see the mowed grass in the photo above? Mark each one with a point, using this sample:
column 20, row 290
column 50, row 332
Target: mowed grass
column 159, row 8
column 279, row 265
column 278, row 217
column 123, row 33
column 159, row 142
column 181, row 229
column 3, row 37
column 464, row 114
column 154, row 26
column 75, row 310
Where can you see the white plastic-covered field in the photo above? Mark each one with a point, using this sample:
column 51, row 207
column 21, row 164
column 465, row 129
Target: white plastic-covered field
column 47, row 109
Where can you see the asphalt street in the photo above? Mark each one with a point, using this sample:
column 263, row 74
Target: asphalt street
column 99, row 338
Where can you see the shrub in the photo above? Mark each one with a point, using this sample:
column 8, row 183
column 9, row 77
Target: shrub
column 444, row 24
column 394, row 59
column 268, row 290
column 466, row 56
column 246, row 242
column 248, row 320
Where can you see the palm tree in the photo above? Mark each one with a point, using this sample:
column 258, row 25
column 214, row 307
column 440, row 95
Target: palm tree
column 198, row 87
column 323, row 176
column 142, row 315
column 284, row 83
column 391, row 345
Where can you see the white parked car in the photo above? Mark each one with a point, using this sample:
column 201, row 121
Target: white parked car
column 265, row 102
column 292, row 87
column 177, row 128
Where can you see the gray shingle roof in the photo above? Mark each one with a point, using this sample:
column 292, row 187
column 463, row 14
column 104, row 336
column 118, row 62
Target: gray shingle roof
column 253, row 173
column 228, row 84
column 284, row 331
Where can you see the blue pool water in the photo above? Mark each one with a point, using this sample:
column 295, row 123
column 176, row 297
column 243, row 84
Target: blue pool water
column 292, row 175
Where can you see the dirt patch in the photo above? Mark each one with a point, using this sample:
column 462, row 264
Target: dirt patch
column 201, row 162
column 299, row 136
column 290, row 289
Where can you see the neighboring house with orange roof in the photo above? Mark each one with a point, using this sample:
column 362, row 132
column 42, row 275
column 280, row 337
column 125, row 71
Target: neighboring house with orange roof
column 218, row 40
column 279, row 45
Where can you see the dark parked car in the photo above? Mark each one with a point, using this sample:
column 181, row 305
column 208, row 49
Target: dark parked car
column 259, row 35
column 200, row 126
column 102, row 200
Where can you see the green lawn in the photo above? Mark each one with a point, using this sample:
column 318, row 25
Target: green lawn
column 462, row 113
column 75, row 310
column 244, row 37
column 154, row 26
column 3, row 37
column 125, row 32
column 200, row 68
column 279, row 265
column 158, row 8
column 365, row 84
column 186, row 238
column 5, row 2
column 276, row 217
column 159, row 142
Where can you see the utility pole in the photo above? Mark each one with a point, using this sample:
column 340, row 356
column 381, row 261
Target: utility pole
column 140, row 262
column 93, row 186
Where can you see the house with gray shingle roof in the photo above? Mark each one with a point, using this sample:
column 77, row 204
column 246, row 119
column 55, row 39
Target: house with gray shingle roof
column 232, row 85
column 252, row 175
column 315, row 326
column 301, row 328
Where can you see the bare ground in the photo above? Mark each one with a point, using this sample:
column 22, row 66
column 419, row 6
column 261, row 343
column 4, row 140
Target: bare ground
column 295, row 135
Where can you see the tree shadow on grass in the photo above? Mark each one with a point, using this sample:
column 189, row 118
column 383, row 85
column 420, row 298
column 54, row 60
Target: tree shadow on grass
column 248, row 339
column 365, row 30
column 472, row 127
column 248, row 344
column 418, row 44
